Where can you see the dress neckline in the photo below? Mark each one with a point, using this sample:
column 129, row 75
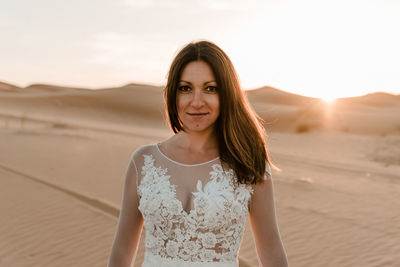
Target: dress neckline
column 182, row 164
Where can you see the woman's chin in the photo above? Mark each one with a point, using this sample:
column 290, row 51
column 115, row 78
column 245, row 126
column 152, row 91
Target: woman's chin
column 197, row 128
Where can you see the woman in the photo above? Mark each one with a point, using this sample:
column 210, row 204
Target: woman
column 193, row 191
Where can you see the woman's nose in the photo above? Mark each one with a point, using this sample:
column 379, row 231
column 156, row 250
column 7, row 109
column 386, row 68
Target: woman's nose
column 197, row 100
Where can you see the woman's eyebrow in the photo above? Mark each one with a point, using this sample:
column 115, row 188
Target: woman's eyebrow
column 191, row 83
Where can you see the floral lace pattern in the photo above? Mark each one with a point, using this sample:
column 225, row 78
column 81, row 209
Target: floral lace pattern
column 212, row 231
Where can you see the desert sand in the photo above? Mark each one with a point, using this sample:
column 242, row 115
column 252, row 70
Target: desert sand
column 64, row 153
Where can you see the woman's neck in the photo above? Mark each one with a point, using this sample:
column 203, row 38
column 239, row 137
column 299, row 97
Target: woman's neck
column 197, row 142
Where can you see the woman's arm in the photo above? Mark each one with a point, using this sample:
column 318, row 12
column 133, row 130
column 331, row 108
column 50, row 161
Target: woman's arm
column 264, row 225
column 130, row 223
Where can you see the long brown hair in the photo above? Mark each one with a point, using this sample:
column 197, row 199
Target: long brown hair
column 240, row 133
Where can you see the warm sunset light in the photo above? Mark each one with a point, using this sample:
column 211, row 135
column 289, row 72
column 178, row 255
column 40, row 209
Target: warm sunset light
column 328, row 99
column 102, row 165
column 310, row 47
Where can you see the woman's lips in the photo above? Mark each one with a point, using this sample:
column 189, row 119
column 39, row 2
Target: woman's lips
column 197, row 115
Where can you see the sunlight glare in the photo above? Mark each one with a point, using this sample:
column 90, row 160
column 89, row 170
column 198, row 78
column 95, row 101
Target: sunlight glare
column 305, row 57
column 328, row 99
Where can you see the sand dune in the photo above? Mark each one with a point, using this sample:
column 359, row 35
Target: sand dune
column 376, row 113
column 378, row 99
column 41, row 226
column 370, row 114
column 6, row 87
column 64, row 152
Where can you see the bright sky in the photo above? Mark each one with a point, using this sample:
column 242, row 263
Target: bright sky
column 317, row 48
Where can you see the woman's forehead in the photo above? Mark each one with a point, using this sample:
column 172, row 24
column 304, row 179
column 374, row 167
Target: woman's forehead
column 197, row 72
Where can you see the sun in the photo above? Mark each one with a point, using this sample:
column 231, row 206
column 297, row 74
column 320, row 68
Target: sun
column 328, row 99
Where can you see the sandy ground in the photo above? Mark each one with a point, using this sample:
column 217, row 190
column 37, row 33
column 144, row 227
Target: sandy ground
column 61, row 183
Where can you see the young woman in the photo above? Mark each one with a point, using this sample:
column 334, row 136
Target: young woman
column 193, row 191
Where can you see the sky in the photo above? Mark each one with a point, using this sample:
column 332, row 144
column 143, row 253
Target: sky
column 316, row 48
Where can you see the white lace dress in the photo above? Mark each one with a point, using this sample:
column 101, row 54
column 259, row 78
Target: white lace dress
column 193, row 215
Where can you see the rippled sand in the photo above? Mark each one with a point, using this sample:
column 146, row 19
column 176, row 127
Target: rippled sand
column 63, row 155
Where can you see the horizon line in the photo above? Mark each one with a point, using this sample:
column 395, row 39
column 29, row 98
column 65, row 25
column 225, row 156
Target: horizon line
column 163, row 85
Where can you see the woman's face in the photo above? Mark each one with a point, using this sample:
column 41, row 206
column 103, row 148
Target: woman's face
column 197, row 97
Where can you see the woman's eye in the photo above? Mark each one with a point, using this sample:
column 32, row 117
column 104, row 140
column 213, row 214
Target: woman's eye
column 184, row 88
column 211, row 88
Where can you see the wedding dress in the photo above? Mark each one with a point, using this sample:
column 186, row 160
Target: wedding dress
column 193, row 214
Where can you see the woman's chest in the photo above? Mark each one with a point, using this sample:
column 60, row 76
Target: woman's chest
column 213, row 199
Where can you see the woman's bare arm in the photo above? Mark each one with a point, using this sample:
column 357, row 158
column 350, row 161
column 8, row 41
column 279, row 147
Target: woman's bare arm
column 130, row 223
column 264, row 226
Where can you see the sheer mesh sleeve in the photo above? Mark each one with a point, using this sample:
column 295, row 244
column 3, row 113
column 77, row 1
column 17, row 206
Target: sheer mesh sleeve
column 137, row 160
column 132, row 161
column 130, row 221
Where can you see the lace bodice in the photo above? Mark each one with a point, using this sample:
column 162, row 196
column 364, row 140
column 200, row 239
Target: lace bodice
column 191, row 212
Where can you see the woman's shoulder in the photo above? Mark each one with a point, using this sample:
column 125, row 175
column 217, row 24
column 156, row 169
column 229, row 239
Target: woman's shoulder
column 149, row 149
column 139, row 152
